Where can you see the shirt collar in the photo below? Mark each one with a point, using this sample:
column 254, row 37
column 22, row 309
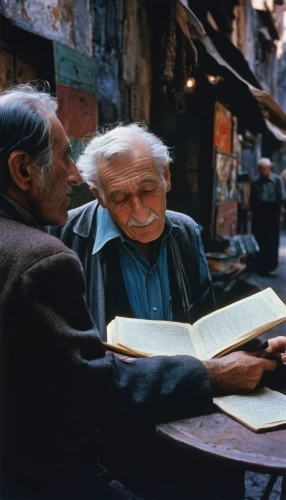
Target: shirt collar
column 107, row 229
column 270, row 177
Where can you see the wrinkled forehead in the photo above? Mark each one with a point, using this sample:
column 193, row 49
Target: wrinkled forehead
column 134, row 161
column 130, row 171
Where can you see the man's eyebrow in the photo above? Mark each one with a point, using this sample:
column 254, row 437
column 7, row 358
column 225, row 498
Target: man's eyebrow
column 148, row 181
column 115, row 193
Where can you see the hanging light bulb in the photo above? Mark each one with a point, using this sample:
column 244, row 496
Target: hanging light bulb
column 190, row 84
column 213, row 80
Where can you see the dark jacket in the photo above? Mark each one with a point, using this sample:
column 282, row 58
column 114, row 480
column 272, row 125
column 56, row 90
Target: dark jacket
column 106, row 294
column 57, row 385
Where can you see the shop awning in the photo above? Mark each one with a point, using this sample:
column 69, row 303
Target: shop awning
column 189, row 23
column 274, row 116
column 226, row 55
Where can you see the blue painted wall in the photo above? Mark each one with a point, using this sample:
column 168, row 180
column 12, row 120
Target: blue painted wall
column 107, row 50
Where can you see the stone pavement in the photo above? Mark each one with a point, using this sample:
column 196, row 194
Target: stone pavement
column 256, row 483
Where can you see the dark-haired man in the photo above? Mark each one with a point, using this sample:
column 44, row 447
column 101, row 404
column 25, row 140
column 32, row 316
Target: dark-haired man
column 58, row 386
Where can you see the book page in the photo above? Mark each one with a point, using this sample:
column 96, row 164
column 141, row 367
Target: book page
column 228, row 325
column 156, row 337
column 260, row 409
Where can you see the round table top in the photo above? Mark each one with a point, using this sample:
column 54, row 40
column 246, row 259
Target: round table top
column 222, row 437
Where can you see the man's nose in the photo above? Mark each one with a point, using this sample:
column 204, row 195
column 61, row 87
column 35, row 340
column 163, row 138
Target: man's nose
column 74, row 176
column 139, row 209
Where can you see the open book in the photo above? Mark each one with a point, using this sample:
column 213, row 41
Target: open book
column 210, row 337
column 259, row 410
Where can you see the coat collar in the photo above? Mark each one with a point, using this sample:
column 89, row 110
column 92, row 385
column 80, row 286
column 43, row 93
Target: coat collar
column 10, row 210
column 84, row 217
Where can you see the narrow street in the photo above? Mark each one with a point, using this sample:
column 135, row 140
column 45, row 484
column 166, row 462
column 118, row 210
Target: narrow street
column 114, row 111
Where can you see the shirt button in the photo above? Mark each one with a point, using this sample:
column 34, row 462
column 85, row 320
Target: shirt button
column 155, row 308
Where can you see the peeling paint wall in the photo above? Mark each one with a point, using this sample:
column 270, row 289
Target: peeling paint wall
column 244, row 31
column 74, row 69
column 107, row 50
column 24, row 56
column 250, row 39
column 77, row 111
column 51, row 40
column 253, row 38
column 65, row 21
column 281, row 79
column 137, row 59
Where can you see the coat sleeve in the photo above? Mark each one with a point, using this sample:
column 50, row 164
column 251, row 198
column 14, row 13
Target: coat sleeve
column 81, row 387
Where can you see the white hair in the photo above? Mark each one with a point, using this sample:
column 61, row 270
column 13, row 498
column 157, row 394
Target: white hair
column 267, row 161
column 113, row 144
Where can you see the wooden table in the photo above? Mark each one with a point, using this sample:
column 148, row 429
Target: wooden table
column 220, row 437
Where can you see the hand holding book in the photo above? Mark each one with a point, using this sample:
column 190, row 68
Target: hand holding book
column 211, row 337
column 237, row 372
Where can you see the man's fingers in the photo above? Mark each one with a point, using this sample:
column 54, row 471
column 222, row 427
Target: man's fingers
column 276, row 349
column 278, row 344
column 270, row 365
column 257, row 354
column 274, row 355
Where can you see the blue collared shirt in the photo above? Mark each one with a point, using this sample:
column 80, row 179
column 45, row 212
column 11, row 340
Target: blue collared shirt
column 147, row 285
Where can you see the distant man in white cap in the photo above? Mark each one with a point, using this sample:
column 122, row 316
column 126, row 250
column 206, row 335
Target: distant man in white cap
column 266, row 202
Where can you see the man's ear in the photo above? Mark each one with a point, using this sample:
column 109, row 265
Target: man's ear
column 98, row 197
column 21, row 169
column 167, row 177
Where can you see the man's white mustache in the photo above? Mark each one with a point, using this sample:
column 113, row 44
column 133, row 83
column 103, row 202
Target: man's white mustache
column 134, row 223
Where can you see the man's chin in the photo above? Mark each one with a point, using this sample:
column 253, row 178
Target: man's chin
column 146, row 234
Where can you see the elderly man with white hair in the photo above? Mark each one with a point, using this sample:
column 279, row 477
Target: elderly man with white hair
column 139, row 259
column 266, row 203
